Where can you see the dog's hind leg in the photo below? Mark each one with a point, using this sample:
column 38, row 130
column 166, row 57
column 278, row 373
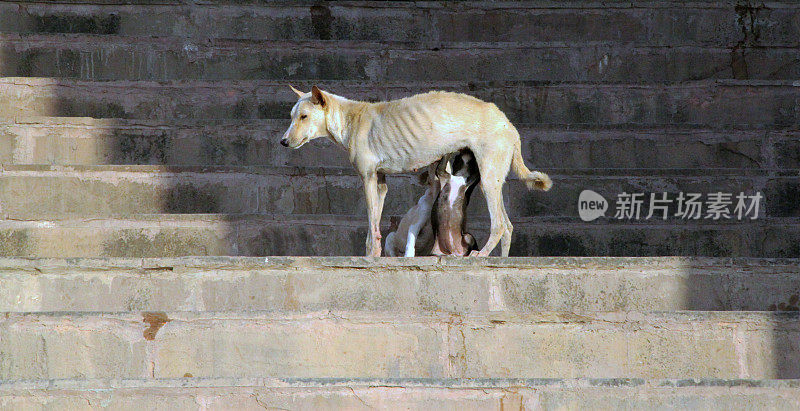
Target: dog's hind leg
column 493, row 191
column 374, row 197
column 494, row 164
column 505, row 241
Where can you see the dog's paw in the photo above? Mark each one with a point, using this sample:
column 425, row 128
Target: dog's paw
column 475, row 253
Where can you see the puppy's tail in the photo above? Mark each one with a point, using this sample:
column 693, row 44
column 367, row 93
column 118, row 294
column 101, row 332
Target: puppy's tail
column 533, row 179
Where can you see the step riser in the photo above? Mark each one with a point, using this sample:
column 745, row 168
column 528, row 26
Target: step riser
column 52, row 194
column 342, row 236
column 715, row 24
column 303, row 285
column 701, row 104
column 355, row 396
column 350, row 345
column 96, row 59
column 122, row 142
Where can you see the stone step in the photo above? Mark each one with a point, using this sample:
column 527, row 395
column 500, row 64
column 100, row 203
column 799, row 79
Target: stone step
column 357, row 344
column 715, row 104
column 716, row 23
column 86, row 141
column 415, row 394
column 29, row 192
column 326, row 235
column 88, row 57
column 391, row 285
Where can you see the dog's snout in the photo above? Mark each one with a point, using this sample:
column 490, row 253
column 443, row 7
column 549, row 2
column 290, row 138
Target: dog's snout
column 285, row 142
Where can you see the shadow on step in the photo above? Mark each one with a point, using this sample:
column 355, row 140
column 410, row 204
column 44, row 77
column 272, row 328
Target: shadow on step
column 753, row 288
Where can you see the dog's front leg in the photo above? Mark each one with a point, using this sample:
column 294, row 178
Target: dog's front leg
column 374, row 209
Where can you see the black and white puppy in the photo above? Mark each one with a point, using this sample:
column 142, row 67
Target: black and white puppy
column 448, row 216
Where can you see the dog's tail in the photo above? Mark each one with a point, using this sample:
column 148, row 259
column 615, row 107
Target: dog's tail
column 533, row 179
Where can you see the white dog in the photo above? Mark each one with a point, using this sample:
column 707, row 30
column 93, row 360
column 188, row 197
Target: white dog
column 406, row 134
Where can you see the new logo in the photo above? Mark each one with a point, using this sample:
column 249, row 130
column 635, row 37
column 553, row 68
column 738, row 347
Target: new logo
column 591, row 205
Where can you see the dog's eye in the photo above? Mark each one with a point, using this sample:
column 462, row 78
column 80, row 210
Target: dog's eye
column 303, row 117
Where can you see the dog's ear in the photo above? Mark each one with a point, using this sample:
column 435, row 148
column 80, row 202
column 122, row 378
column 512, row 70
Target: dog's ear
column 296, row 91
column 458, row 164
column 472, row 179
column 442, row 169
column 317, row 97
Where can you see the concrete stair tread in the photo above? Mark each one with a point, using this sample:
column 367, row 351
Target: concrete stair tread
column 166, row 219
column 522, row 285
column 701, row 22
column 622, row 319
column 449, row 383
column 88, row 123
column 50, row 192
column 88, row 141
column 745, row 265
column 90, row 42
column 223, row 44
column 94, row 57
column 357, row 394
column 725, row 104
column 500, row 4
column 156, row 169
column 35, row 81
column 162, row 235
column 651, row 345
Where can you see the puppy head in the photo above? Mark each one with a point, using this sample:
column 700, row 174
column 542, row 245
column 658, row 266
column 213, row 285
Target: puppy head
column 394, row 223
column 308, row 118
column 443, row 170
column 464, row 165
column 423, row 178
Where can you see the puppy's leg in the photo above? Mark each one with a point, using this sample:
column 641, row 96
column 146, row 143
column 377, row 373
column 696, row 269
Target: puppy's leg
column 423, row 215
column 411, row 242
column 373, row 214
column 388, row 247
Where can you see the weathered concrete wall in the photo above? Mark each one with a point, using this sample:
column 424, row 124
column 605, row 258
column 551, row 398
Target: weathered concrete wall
column 400, row 345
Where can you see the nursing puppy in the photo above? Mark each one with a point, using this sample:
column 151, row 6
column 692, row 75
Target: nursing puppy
column 436, row 224
column 448, row 216
column 406, row 134
column 414, row 234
